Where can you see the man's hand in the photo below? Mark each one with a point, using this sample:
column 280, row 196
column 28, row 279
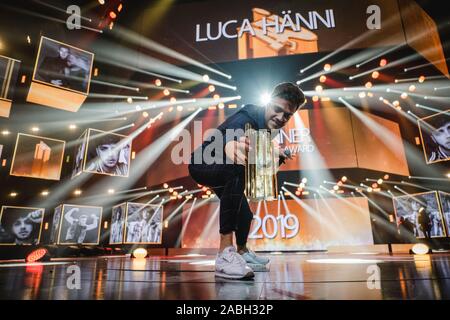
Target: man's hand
column 35, row 216
column 237, row 150
column 57, row 82
column 282, row 154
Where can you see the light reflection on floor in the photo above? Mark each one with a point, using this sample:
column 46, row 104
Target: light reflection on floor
column 289, row 276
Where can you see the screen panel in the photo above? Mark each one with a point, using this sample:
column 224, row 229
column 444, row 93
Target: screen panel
column 20, row 225
column 37, row 157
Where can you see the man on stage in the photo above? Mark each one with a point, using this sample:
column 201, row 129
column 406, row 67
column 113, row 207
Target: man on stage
column 227, row 176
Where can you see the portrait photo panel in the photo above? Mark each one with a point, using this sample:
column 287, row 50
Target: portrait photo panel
column 143, row 223
column 108, row 153
column 20, row 225
column 117, row 223
column 9, row 70
column 422, row 212
column 435, row 136
column 37, row 157
column 79, row 155
column 61, row 65
column 55, row 224
column 444, row 198
column 80, row 225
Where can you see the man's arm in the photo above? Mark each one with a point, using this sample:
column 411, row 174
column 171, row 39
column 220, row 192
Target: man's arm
column 94, row 224
column 68, row 215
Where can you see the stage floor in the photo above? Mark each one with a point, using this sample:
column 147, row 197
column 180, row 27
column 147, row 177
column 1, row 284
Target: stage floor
column 289, row 276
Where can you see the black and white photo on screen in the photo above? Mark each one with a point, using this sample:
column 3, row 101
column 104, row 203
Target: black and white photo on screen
column 61, row 65
column 20, row 225
column 108, row 153
column 143, row 223
column 435, row 136
column 117, row 224
column 80, row 224
column 422, row 212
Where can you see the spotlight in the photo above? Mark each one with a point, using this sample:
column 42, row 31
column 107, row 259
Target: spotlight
column 336, row 188
column 120, row 7
column 370, row 94
column 322, row 79
column 420, row 248
column 421, row 79
column 35, row 129
column 304, row 180
column 374, row 185
column 221, row 105
column 315, row 98
column 166, row 92
column 383, row 62
column 173, row 100
column 72, row 127
column 369, row 189
column 375, row 74
column 139, row 253
column 145, row 114
column 5, row 132
column 102, row 2
column 130, row 100
column 327, row 67
column 77, row 192
column 211, row 88
column 158, row 82
column 396, row 103
column 111, row 191
column 205, row 78
column 265, row 98
column 319, row 88
column 179, row 108
column 37, row 255
column 404, row 95
column 344, row 178
column 112, row 15
column 170, row 109
column 138, row 108
column 380, row 181
column 45, row 193
column 368, row 85
column 165, row 185
column 362, row 94
column 412, row 88
column 386, row 176
column 216, row 97
column 13, row 194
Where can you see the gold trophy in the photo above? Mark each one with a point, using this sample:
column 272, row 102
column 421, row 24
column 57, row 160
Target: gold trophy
column 261, row 166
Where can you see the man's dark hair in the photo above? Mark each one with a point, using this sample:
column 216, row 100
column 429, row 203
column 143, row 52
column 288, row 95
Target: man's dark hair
column 437, row 121
column 289, row 92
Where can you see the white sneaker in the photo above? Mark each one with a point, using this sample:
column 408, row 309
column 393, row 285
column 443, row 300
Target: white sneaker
column 231, row 265
column 252, row 259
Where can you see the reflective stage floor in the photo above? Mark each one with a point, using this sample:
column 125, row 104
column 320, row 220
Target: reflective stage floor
column 289, row 276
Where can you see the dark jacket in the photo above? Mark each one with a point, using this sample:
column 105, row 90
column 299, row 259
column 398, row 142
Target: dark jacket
column 252, row 114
